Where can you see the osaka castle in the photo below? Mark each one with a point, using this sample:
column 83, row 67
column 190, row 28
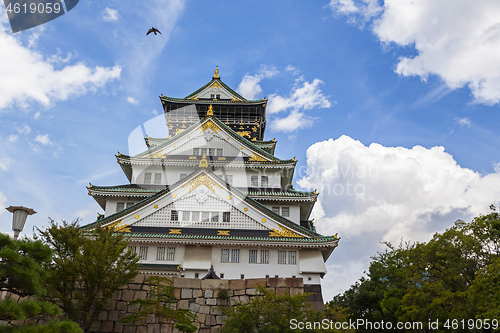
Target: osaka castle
column 212, row 200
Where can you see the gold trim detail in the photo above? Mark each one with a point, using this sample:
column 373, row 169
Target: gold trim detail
column 202, row 179
column 234, row 99
column 209, row 125
column 174, row 195
column 118, row 228
column 245, row 209
column 284, row 233
column 210, row 111
column 216, row 74
column 221, row 158
column 257, row 158
column 263, row 220
column 178, row 131
column 216, row 85
column 228, row 197
column 156, row 206
column 223, row 232
column 158, row 155
column 244, row 133
column 175, row 231
column 136, row 216
column 193, row 158
column 195, row 98
column 203, row 162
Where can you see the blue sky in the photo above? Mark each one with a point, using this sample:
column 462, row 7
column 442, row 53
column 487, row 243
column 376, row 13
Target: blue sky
column 390, row 107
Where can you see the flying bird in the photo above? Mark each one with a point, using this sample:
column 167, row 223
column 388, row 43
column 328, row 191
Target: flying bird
column 154, row 30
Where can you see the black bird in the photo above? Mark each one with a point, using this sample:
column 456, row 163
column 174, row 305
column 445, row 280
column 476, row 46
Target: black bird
column 154, row 30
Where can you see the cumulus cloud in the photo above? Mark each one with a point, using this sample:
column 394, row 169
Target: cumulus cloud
column 27, row 76
column 249, row 86
column 376, row 193
column 132, row 100
column 5, row 163
column 13, row 138
column 43, row 139
column 463, row 121
column 457, row 40
column 23, row 129
column 110, row 15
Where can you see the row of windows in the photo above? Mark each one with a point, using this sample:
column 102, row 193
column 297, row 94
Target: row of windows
column 259, row 256
column 121, row 205
column 283, row 211
column 254, row 181
column 207, row 151
column 195, row 216
column 162, row 253
column 148, row 177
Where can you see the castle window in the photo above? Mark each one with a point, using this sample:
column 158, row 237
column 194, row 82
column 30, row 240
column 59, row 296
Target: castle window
column 147, row 178
column 143, row 252
column 185, row 216
column 235, row 255
column 160, row 253
column 254, row 181
column 195, row 217
column 120, row 206
column 196, row 275
column 131, row 249
column 174, row 215
column 252, row 256
column 215, row 216
column 264, row 256
column 285, row 211
column 226, row 217
column 203, row 151
column 242, row 276
column 276, row 210
column 170, row 254
column 221, row 275
column 205, row 216
column 157, row 178
column 281, row 257
column 196, row 151
column 224, row 255
column 129, row 204
column 292, row 257
column 219, row 151
column 264, row 181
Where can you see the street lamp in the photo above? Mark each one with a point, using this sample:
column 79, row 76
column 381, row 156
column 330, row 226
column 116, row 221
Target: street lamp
column 19, row 218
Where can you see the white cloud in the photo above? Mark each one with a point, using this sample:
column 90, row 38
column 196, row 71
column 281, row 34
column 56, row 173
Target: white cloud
column 5, row 163
column 359, row 11
column 3, row 200
column 294, row 121
column 375, row 193
column 457, row 40
column 43, row 139
column 463, row 121
column 132, row 100
column 110, row 15
column 13, row 138
column 24, row 129
column 36, row 115
column 155, row 112
column 249, row 86
column 26, row 76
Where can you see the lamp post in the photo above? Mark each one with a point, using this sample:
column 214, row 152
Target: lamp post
column 19, row 218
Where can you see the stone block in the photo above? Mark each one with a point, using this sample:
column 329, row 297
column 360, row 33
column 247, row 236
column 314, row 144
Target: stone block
column 128, row 295
column 276, row 282
column 103, row 316
column 200, row 317
column 215, row 311
column 237, row 284
column 251, row 291
column 200, row 301
column 254, row 283
column 239, row 292
column 95, row 327
column 186, row 293
column 121, row 305
column 177, row 293
column 111, row 305
column 187, row 283
column 141, row 294
column 203, row 309
column 118, row 327
column 244, row 298
column 139, row 279
column 296, row 291
column 215, row 329
column 209, row 293
column 129, row 329
column 210, row 320
column 183, row 304
column 197, row 293
column 117, row 295
column 220, row 319
column 194, row 307
column 282, row 290
column 214, row 284
column 211, row 301
column 107, row 326
column 154, row 328
column 151, row 318
column 133, row 308
column 141, row 329
column 294, row 282
column 165, row 328
column 113, row 315
column 135, row 286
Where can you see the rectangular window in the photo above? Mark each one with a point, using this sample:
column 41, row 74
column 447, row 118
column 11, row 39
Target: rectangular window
column 174, row 216
column 254, row 181
column 157, row 178
column 196, row 151
column 147, row 178
column 219, row 151
column 212, row 96
column 276, row 210
column 242, row 276
column 221, row 275
column 264, row 256
column 226, row 217
column 205, row 216
column 224, row 255
column 252, row 256
column 129, row 204
column 229, row 179
column 183, row 175
column 120, row 206
column 203, row 151
column 143, row 252
column 185, row 216
column 217, row 96
column 215, row 216
column 131, row 249
column 281, row 257
column 292, row 257
column 160, row 253
column 170, row 254
column 195, row 217
column 264, row 181
column 235, row 255
column 285, row 211
column 211, row 151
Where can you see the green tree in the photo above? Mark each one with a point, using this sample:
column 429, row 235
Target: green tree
column 268, row 312
column 22, row 275
column 87, row 268
column 160, row 302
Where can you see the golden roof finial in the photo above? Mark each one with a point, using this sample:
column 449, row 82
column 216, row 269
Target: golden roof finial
column 216, row 74
column 210, row 111
column 203, row 162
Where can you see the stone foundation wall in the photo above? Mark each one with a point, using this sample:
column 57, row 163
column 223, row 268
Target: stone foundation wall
column 199, row 296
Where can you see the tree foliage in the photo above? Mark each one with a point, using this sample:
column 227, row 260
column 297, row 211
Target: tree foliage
column 161, row 304
column 22, row 275
column 453, row 276
column 87, row 268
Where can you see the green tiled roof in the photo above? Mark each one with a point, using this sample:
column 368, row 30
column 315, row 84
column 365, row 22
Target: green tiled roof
column 320, row 239
column 160, row 267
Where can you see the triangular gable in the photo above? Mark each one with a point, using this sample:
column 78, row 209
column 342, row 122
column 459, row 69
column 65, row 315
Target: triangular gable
column 205, row 188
